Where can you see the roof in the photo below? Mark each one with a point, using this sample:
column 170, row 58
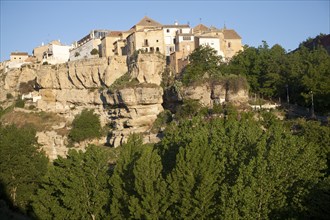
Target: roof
column 19, row 53
column 114, row 33
column 207, row 36
column 230, row 34
column 176, row 26
column 148, row 22
column 201, row 27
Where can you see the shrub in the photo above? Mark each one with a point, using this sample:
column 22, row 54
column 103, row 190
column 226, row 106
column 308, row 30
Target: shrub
column 20, row 103
column 76, row 54
column 163, row 118
column 9, row 96
column 94, row 52
column 45, row 63
column 85, row 126
column 188, row 109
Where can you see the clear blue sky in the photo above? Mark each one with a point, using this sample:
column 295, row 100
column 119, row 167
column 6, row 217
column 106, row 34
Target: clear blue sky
column 26, row 24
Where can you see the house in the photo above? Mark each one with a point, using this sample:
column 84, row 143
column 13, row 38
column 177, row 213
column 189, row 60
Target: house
column 170, row 33
column 146, row 35
column 55, row 52
column 39, row 51
column 107, row 43
column 83, row 48
column 211, row 41
column 232, row 43
column 19, row 57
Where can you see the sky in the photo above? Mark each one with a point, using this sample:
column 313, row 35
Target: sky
column 27, row 24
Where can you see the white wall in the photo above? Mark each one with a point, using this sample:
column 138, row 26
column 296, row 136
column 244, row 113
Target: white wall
column 213, row 43
column 61, row 54
column 170, row 36
column 85, row 50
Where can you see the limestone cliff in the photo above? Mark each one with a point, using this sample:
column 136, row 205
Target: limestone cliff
column 67, row 89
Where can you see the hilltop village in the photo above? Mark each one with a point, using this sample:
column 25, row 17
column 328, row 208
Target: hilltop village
column 175, row 41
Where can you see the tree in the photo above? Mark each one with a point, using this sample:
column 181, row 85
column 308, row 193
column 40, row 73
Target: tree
column 22, row 165
column 85, row 126
column 75, row 187
column 122, row 181
column 203, row 60
column 194, row 181
column 150, row 199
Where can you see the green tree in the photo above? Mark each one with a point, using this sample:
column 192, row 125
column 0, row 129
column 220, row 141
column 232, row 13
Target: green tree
column 75, row 187
column 85, row 126
column 193, row 182
column 203, row 60
column 150, row 199
column 22, row 165
column 122, row 181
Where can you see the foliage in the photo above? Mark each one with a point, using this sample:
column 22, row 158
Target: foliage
column 22, row 165
column 162, row 120
column 271, row 71
column 122, row 181
column 20, row 103
column 76, row 54
column 258, row 179
column 75, row 187
column 168, row 78
column 9, row 96
column 203, row 61
column 315, row 133
column 188, row 109
column 45, row 63
column 94, row 51
column 85, row 126
column 123, row 82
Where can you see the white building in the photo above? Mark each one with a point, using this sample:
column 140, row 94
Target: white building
column 211, row 41
column 82, row 49
column 57, row 54
column 170, row 32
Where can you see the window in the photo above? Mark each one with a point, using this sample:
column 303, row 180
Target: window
column 229, row 44
column 174, row 41
column 168, row 30
column 157, row 49
column 186, row 38
column 157, row 41
column 145, row 42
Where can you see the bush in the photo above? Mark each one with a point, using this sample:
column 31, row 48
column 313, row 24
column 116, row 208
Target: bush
column 9, row 96
column 94, row 52
column 45, row 63
column 163, row 118
column 188, row 109
column 85, row 126
column 76, row 54
column 20, row 103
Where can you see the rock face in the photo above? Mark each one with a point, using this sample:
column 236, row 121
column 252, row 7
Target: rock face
column 207, row 94
column 133, row 110
column 67, row 89
column 148, row 68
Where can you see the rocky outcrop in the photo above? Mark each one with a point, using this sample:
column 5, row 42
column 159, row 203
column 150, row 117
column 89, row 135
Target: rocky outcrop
column 207, row 94
column 133, row 110
column 147, row 68
column 53, row 144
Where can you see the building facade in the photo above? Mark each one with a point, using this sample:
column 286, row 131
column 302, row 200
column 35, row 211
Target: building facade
column 82, row 49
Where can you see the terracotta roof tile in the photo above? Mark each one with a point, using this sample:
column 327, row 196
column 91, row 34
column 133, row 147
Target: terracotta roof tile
column 146, row 21
column 230, row 34
column 201, row 27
